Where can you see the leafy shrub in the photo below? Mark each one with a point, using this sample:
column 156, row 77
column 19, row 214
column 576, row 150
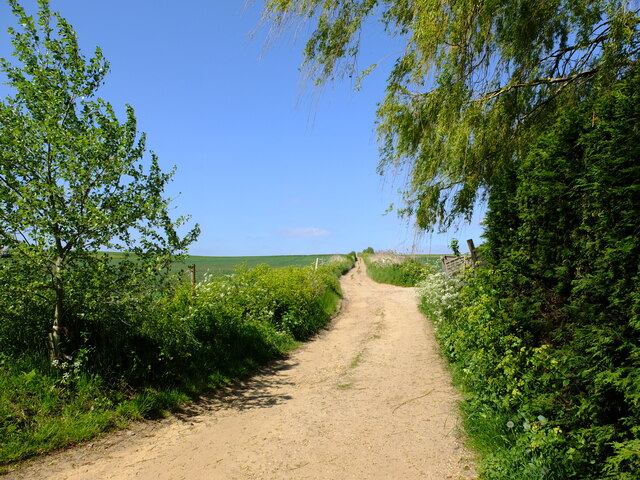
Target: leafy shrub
column 509, row 420
column 439, row 296
column 162, row 346
column 251, row 316
column 404, row 273
column 545, row 341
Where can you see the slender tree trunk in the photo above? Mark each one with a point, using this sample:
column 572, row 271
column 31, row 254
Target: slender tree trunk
column 58, row 316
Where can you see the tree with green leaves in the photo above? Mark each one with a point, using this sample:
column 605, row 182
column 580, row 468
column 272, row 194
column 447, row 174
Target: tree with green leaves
column 74, row 180
column 476, row 83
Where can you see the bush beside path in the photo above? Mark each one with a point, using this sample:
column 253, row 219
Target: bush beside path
column 368, row 398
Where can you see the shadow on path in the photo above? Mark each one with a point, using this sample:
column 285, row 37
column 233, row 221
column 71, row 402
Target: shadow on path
column 266, row 388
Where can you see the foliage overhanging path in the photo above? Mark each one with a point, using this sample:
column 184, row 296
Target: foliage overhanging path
column 369, row 398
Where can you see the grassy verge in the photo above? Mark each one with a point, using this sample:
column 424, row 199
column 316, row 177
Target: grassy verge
column 187, row 344
column 42, row 412
column 400, row 270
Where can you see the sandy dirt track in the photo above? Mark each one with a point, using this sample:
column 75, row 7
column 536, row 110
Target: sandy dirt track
column 369, row 398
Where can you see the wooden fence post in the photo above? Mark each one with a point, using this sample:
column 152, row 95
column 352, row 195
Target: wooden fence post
column 472, row 250
column 192, row 269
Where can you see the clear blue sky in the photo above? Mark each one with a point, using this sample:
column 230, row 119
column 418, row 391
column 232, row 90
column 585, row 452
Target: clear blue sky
column 265, row 164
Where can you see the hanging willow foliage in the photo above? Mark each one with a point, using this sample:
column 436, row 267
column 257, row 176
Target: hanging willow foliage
column 477, row 81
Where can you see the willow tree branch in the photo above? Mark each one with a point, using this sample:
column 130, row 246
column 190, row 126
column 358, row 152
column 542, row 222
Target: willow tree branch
column 534, row 83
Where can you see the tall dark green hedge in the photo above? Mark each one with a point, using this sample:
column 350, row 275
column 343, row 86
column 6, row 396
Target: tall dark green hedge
column 563, row 229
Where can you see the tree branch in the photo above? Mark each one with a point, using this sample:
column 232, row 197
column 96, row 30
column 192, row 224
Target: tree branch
column 534, row 83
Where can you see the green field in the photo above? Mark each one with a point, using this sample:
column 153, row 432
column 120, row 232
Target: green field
column 224, row 265
column 433, row 259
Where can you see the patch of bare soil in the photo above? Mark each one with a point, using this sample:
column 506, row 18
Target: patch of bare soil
column 369, row 398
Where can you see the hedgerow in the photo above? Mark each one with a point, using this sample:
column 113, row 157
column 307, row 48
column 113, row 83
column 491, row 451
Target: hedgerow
column 545, row 339
column 165, row 347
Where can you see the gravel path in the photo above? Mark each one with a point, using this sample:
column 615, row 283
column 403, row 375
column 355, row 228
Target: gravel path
column 369, row 398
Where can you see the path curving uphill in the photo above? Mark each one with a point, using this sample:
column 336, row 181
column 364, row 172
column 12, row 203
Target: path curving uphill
column 369, row 398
